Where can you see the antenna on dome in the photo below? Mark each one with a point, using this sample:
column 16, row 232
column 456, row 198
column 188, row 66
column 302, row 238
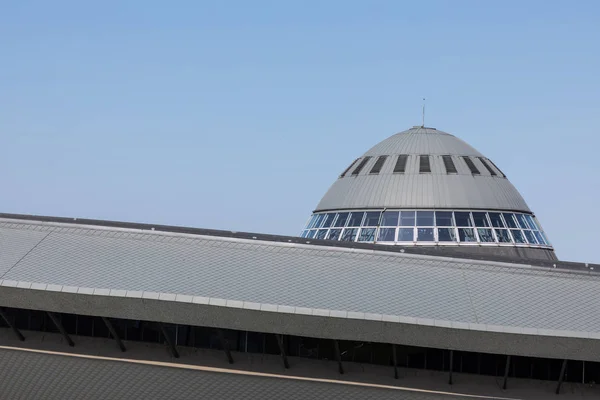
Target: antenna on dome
column 423, row 125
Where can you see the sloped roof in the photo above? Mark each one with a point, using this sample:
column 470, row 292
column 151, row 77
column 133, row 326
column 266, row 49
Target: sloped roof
column 27, row 374
column 300, row 276
column 299, row 279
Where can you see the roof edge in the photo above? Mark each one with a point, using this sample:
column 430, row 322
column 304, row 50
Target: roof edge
column 532, row 342
column 589, row 268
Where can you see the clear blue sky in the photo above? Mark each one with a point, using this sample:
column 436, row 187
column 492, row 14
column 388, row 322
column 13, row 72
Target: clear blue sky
column 240, row 114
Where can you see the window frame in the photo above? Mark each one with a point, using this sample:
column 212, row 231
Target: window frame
column 401, row 163
column 343, row 174
column 378, row 166
column 448, row 161
column 471, row 165
column 424, row 164
column 487, row 166
column 361, row 165
column 334, row 225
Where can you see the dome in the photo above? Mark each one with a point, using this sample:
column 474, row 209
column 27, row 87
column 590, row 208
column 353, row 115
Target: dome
column 485, row 188
column 425, row 187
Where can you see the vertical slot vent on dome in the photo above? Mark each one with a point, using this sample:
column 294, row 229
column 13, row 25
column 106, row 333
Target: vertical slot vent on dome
column 378, row 165
column 449, row 165
column 400, row 166
column 471, row 166
column 424, row 164
column 348, row 169
column 495, row 166
column 487, row 166
column 360, row 166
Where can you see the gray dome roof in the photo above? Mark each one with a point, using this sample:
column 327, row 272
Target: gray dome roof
column 487, row 189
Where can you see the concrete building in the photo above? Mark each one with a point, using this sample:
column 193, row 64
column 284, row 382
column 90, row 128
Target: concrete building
column 422, row 274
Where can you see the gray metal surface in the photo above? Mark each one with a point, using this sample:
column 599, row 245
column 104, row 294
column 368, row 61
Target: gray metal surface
column 418, row 140
column 27, row 375
column 15, row 245
column 299, row 321
column 423, row 190
column 512, row 255
column 49, row 363
column 351, row 282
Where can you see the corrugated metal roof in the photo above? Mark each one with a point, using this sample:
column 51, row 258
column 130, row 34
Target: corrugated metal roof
column 287, row 274
column 414, row 190
column 423, row 141
column 35, row 375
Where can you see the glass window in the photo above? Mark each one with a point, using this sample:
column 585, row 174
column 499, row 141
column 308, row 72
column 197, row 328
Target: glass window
column 545, row 238
column 328, row 220
column 349, row 235
column 390, row 218
column 487, row 166
column 425, row 234
column 525, row 221
column 539, row 237
column 424, row 165
column 321, row 234
column 449, row 165
column 439, row 226
column 471, row 165
column 348, row 169
column 318, row 221
column 518, row 236
column 463, row 219
column 406, row 234
column 466, row 235
column 311, row 221
column 480, row 219
column 496, row 220
column 531, row 222
column 367, row 235
column 355, row 218
column 503, row 236
column 521, row 220
column 378, row 165
column 372, row 218
column 510, row 220
column 386, row 235
column 425, row 218
column 485, row 235
column 401, row 163
column 443, row 218
column 360, row 166
column 407, row 218
column 446, row 235
column 334, row 234
column 530, row 237
column 341, row 220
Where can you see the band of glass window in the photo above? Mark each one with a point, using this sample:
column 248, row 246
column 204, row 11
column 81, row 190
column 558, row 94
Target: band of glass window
column 427, row 226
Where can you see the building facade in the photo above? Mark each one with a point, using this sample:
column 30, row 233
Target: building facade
column 422, row 274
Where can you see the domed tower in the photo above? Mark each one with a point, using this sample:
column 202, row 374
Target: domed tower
column 424, row 187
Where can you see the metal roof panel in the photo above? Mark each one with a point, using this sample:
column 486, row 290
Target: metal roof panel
column 306, row 276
